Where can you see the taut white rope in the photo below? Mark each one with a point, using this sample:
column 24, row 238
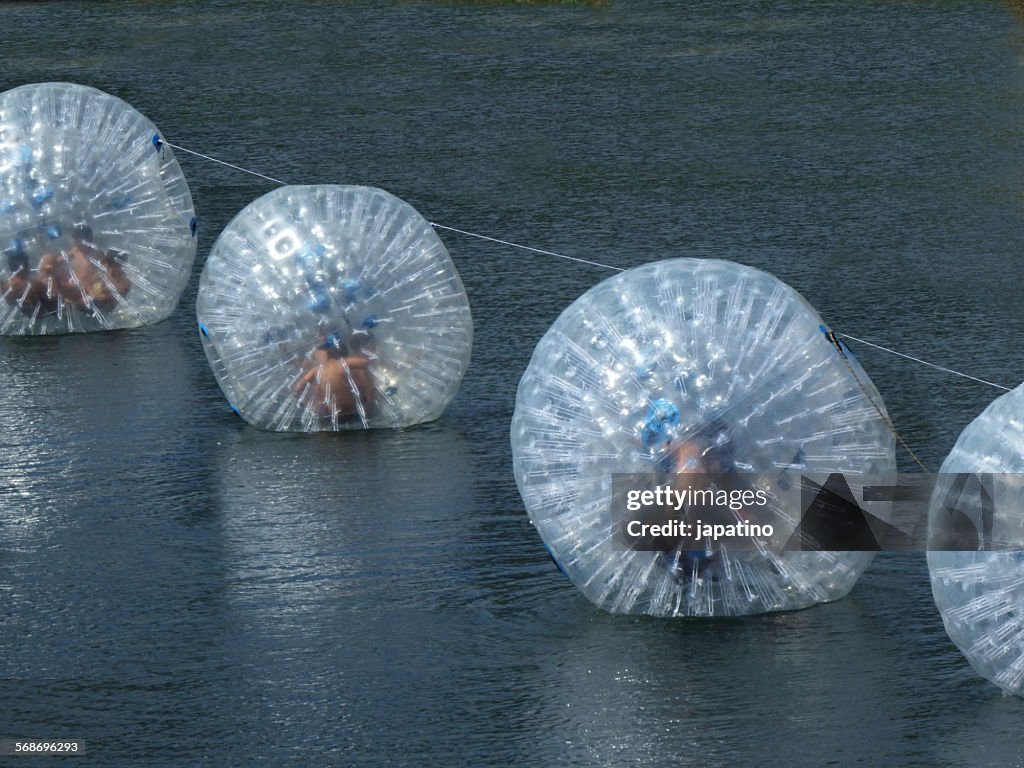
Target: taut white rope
column 589, row 262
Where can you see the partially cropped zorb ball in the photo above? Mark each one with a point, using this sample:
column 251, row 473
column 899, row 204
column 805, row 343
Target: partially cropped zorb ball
column 97, row 228
column 978, row 505
column 700, row 353
column 333, row 307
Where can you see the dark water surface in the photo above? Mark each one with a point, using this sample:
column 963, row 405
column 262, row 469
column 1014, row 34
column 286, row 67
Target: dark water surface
column 177, row 588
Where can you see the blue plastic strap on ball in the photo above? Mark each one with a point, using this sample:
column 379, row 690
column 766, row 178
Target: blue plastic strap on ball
column 202, row 330
column 662, row 416
column 351, row 287
column 192, row 226
column 836, row 342
column 554, row 560
column 319, row 300
column 41, row 196
column 158, row 143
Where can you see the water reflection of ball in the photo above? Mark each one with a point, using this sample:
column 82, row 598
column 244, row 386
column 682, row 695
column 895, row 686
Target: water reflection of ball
column 97, row 226
column 688, row 359
column 978, row 504
column 333, row 307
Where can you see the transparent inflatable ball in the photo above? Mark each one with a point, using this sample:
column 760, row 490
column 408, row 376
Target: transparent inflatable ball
column 687, row 367
column 97, row 228
column 332, row 308
column 976, row 542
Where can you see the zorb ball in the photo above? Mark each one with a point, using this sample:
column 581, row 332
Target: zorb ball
column 976, row 542
column 333, row 307
column 97, row 228
column 692, row 354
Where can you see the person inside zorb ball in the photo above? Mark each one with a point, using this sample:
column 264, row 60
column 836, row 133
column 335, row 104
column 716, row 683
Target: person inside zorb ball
column 97, row 227
column 329, row 308
column 696, row 394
